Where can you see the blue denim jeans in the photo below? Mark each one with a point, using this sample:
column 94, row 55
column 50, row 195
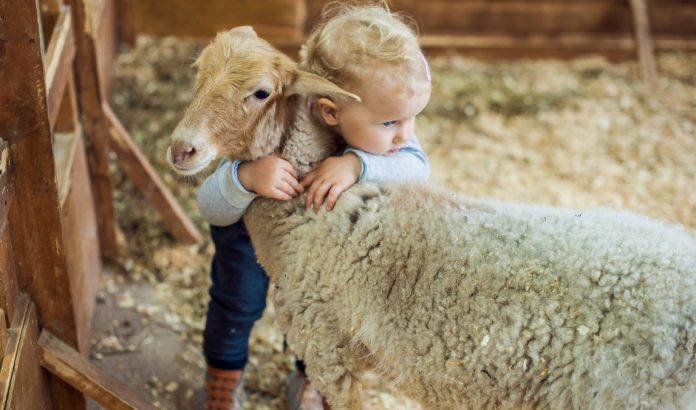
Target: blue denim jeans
column 237, row 297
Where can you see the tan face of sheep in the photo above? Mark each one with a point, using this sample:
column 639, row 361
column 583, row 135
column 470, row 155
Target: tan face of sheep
column 244, row 102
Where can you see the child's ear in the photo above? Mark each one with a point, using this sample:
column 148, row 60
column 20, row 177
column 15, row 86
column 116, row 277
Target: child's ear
column 328, row 110
column 308, row 83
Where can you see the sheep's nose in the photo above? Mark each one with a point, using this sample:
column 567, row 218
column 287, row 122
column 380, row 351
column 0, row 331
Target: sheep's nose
column 181, row 151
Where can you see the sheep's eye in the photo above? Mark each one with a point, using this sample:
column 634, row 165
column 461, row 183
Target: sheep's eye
column 261, row 94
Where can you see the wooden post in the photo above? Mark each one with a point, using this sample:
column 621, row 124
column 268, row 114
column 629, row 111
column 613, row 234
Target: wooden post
column 34, row 217
column 95, row 126
column 644, row 42
column 22, row 380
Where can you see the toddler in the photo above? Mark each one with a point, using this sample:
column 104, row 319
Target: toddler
column 368, row 51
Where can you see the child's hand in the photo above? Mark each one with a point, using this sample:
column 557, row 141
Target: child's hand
column 270, row 177
column 333, row 176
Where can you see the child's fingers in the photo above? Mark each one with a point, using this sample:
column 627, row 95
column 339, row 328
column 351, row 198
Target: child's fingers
column 288, row 167
column 287, row 188
column 309, row 197
column 332, row 197
column 320, row 194
column 296, row 186
column 278, row 194
column 308, row 179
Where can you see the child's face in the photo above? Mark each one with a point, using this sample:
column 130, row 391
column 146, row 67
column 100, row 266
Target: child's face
column 384, row 120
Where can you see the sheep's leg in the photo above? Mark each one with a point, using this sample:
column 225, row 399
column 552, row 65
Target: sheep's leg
column 332, row 361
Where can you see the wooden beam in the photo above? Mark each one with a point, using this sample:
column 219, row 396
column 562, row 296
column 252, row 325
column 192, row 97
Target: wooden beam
column 68, row 364
column 22, row 381
column 144, row 176
column 3, row 333
column 95, row 126
column 270, row 18
column 59, row 58
column 8, row 277
column 644, row 42
column 106, row 43
column 6, row 189
column 34, row 217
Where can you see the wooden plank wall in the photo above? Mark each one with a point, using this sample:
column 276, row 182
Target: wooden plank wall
column 277, row 19
column 497, row 28
column 537, row 17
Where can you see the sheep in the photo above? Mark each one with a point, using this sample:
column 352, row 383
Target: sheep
column 460, row 302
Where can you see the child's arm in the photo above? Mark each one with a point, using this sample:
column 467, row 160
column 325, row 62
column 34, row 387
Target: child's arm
column 409, row 164
column 225, row 195
column 336, row 174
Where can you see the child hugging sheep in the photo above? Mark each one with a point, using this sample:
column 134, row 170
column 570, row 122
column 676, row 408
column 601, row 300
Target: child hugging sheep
column 473, row 304
column 374, row 55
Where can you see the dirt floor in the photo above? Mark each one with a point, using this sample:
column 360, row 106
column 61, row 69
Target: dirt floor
column 580, row 133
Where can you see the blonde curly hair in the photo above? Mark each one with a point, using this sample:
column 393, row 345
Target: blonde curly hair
column 358, row 41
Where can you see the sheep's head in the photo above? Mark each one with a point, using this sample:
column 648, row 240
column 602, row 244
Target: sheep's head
column 243, row 103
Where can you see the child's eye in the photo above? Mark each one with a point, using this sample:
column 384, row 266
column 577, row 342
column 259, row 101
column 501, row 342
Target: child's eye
column 389, row 123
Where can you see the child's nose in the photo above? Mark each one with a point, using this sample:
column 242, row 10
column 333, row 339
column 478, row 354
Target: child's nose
column 400, row 137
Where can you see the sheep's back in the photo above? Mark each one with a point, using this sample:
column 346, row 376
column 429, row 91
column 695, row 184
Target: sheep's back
column 499, row 304
column 593, row 307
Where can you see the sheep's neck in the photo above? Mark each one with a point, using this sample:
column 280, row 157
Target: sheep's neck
column 306, row 142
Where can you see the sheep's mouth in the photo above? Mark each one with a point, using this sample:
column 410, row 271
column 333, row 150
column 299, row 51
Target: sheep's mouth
column 193, row 165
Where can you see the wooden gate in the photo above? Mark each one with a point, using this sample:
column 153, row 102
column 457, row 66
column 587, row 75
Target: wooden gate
column 57, row 217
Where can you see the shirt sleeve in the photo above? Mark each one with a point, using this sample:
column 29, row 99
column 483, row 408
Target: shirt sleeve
column 409, row 164
column 222, row 200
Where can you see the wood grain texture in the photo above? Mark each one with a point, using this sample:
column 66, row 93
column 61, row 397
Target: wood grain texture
column 95, row 126
column 6, row 188
column 106, row 43
column 125, row 15
column 81, row 244
column 23, row 383
column 271, row 19
column 8, row 277
column 59, row 57
column 34, row 215
column 63, row 361
column 536, row 16
column 3, row 333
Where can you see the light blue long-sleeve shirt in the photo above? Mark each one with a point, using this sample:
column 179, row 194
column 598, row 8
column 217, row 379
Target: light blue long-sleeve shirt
column 222, row 200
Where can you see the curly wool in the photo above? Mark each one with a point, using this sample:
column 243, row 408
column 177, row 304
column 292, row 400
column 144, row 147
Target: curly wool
column 471, row 303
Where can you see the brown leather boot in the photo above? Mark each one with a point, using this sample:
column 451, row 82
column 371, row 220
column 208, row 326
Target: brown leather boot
column 302, row 395
column 224, row 389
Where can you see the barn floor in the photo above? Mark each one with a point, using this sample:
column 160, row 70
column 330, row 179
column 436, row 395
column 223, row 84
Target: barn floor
column 579, row 133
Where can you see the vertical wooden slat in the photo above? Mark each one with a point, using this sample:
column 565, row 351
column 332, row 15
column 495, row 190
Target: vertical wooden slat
column 8, row 279
column 3, row 333
column 81, row 245
column 95, row 126
column 644, row 42
column 58, row 62
column 8, row 276
column 125, row 15
column 34, row 217
column 106, row 43
column 6, row 191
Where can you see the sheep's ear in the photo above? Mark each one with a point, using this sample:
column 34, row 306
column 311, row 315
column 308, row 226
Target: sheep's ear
column 241, row 31
column 308, row 83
